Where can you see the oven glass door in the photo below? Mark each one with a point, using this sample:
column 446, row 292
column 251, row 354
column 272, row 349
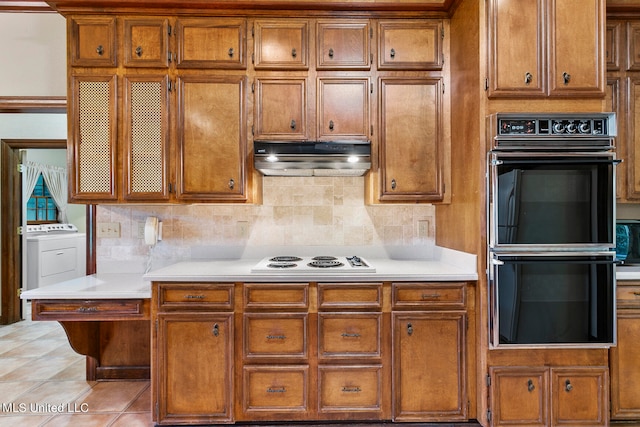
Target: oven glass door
column 552, row 201
column 553, row 299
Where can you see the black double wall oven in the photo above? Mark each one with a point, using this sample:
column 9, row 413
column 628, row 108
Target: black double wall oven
column 551, row 227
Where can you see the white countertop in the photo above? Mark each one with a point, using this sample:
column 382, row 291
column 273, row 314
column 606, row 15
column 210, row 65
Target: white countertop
column 240, row 270
column 631, row 272
column 95, row 286
column 447, row 265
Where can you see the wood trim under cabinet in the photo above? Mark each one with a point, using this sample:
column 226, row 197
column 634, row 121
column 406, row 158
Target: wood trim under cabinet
column 33, row 104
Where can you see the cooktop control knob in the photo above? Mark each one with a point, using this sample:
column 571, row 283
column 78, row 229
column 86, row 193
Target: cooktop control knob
column 558, row 127
column 572, row 128
column 584, row 127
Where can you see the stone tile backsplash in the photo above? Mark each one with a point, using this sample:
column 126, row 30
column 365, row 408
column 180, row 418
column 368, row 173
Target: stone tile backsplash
column 296, row 211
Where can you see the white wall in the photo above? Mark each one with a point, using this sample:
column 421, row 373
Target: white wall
column 33, row 54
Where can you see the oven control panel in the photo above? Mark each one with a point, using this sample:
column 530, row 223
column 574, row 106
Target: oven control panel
column 550, row 126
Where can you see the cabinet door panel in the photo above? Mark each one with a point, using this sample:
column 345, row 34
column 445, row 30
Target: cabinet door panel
column 146, row 137
column 576, row 63
column 411, row 45
column 633, row 140
column 343, row 45
column 92, row 41
column 625, row 369
column 343, row 106
column 146, row 42
column 281, row 109
column 429, row 366
column 211, row 43
column 93, row 120
column 212, row 141
column 580, row 397
column 281, row 45
column 411, row 139
column 519, row 396
column 195, row 368
column 516, row 49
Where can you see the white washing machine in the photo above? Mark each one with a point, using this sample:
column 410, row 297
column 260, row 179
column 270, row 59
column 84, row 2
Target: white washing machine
column 55, row 253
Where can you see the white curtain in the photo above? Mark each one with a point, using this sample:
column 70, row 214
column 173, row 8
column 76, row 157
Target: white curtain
column 31, row 172
column 56, row 180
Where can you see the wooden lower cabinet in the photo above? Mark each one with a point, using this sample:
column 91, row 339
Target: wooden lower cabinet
column 308, row 352
column 194, row 357
column 429, row 366
column 625, row 357
column 549, row 396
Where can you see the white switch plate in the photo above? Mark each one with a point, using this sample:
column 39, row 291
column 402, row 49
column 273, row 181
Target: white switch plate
column 108, row 229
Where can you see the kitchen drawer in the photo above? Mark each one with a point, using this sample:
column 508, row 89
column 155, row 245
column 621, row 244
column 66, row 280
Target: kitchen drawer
column 290, row 296
column 345, row 296
column 628, row 296
column 350, row 388
column 99, row 309
column 269, row 389
column 431, row 295
column 275, row 335
column 349, row 335
column 202, row 296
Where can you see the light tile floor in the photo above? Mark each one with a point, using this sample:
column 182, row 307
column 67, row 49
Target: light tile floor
column 42, row 383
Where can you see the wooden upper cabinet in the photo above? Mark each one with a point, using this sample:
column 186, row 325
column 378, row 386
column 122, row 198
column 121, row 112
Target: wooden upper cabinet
column 410, row 45
column 211, row 43
column 93, row 119
column 92, row 41
column 576, row 34
column 281, row 108
column 343, row 108
column 517, row 53
column 633, row 46
column 546, row 48
column 146, row 137
column 281, row 44
column 411, row 139
column 612, row 45
column 211, row 147
column 146, row 42
column 343, row 45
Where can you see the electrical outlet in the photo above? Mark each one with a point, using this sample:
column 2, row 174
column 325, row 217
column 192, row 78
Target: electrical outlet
column 108, row 229
column 423, row 228
column 140, row 234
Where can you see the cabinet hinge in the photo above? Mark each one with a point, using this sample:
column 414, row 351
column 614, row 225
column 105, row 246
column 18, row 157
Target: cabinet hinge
column 488, row 380
column 371, row 87
column 443, row 86
column 370, row 32
column 169, row 187
column 169, row 29
column 169, row 85
column 20, row 167
column 169, row 57
column 20, row 231
column 486, row 84
column 253, row 87
column 157, row 410
column 253, row 58
column 371, row 130
column 156, row 331
column 442, row 32
column 252, row 131
column 253, row 31
column 371, row 58
column 488, row 414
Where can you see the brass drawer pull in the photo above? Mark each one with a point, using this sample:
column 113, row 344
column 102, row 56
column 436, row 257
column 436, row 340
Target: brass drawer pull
column 355, row 389
column 87, row 309
column 189, row 296
column 348, row 335
column 430, row 296
column 276, row 337
column 636, row 293
column 276, row 390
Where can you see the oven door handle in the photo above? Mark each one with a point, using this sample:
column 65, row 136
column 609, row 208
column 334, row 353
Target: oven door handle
column 551, row 260
column 556, row 161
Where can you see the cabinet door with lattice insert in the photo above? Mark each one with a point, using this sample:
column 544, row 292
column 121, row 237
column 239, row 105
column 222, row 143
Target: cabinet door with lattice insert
column 92, row 138
column 146, row 129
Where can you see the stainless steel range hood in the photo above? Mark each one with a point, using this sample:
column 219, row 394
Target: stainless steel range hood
column 312, row 158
